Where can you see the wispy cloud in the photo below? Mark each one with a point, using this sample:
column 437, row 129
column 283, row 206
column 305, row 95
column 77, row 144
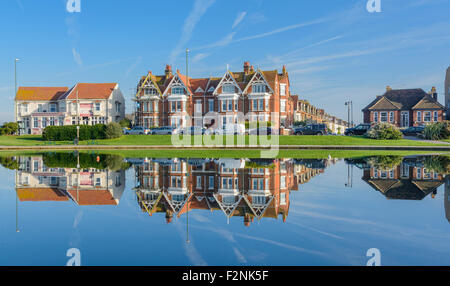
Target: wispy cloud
column 200, row 8
column 283, row 29
column 19, row 2
column 230, row 37
column 200, row 57
column 77, row 57
column 239, row 19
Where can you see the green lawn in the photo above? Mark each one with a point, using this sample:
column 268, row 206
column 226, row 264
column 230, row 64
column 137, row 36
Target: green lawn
column 165, row 140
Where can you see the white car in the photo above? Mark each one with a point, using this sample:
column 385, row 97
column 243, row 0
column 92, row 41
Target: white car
column 229, row 129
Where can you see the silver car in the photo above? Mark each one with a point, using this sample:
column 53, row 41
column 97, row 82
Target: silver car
column 166, row 130
column 137, row 130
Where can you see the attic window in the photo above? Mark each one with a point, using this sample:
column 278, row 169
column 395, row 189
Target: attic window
column 259, row 88
column 150, row 91
column 228, row 88
column 211, row 89
column 177, row 90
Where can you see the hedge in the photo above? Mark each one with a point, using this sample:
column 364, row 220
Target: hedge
column 87, row 132
column 70, row 160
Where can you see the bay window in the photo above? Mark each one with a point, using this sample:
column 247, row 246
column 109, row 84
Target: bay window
column 228, row 88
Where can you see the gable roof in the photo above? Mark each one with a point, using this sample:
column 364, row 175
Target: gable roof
column 427, row 102
column 402, row 99
column 91, row 91
column 40, row 93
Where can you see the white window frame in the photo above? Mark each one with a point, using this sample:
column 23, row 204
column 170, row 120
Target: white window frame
column 282, row 89
column 435, row 116
column 391, row 117
column 384, row 115
column 375, row 117
column 419, row 116
column 425, row 117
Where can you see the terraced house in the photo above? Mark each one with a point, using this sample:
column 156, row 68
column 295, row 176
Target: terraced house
column 173, row 99
column 405, row 108
column 85, row 103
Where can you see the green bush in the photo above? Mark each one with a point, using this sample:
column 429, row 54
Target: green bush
column 257, row 124
column 126, row 123
column 87, row 160
column 300, row 123
column 113, row 130
column 9, row 128
column 385, row 162
column 384, row 131
column 437, row 131
column 69, row 133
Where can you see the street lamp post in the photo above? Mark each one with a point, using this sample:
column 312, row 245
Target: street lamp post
column 15, row 90
column 349, row 105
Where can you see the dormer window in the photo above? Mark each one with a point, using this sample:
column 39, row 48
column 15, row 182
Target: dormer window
column 150, row 91
column 177, row 90
column 228, row 88
column 259, row 88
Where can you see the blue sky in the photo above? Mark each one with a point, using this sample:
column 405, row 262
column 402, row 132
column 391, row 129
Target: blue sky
column 334, row 50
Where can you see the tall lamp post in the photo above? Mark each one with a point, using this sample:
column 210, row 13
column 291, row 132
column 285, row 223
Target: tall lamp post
column 15, row 90
column 349, row 105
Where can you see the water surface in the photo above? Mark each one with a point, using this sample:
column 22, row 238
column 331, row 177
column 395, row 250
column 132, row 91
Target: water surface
column 175, row 211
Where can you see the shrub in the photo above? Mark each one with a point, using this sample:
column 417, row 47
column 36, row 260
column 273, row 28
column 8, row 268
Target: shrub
column 69, row 133
column 113, row 130
column 300, row 123
column 384, row 163
column 437, row 131
column 87, row 160
column 384, row 131
column 9, row 128
column 125, row 123
column 257, row 124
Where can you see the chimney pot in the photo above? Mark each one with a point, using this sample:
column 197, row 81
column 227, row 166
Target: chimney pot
column 246, row 67
column 388, row 88
column 168, row 70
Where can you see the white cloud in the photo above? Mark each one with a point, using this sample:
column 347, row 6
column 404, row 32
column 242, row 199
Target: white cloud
column 200, row 57
column 77, row 57
column 280, row 30
column 200, row 8
column 239, row 19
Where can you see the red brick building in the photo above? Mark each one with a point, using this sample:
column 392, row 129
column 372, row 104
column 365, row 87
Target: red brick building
column 173, row 99
column 405, row 108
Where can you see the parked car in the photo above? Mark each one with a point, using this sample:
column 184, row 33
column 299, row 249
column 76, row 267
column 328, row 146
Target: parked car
column 193, row 130
column 263, row 131
column 361, row 129
column 311, row 129
column 228, row 129
column 413, row 131
column 165, row 130
column 137, row 130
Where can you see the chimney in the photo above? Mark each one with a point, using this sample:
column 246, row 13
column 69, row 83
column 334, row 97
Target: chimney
column 168, row 70
column 246, row 68
column 252, row 69
column 284, row 70
column 388, row 88
column 434, row 93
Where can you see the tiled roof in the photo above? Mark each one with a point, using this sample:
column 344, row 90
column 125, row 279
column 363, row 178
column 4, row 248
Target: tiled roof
column 92, row 197
column 91, row 91
column 428, row 103
column 40, row 93
column 402, row 99
column 40, row 195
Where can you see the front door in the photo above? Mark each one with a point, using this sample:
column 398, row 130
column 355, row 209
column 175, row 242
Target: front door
column 404, row 119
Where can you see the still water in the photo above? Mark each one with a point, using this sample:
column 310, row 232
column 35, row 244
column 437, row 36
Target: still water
column 130, row 211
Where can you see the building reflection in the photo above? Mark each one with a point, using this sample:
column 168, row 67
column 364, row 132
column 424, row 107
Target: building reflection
column 247, row 188
column 36, row 182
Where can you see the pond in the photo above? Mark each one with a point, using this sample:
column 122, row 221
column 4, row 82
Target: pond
column 219, row 211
